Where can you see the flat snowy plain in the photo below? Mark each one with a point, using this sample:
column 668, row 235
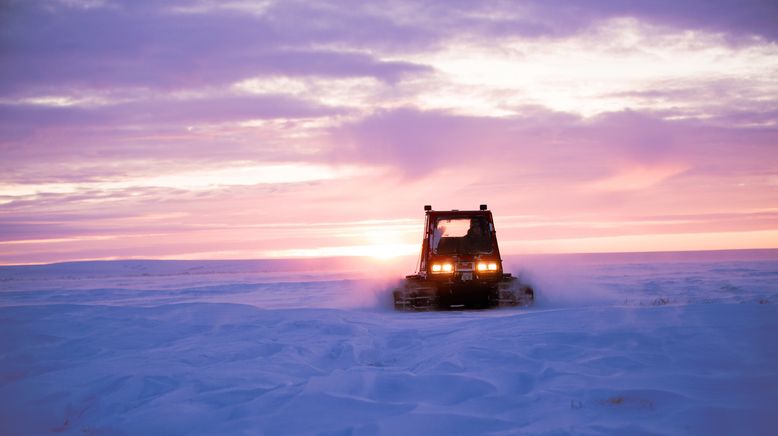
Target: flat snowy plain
column 668, row 343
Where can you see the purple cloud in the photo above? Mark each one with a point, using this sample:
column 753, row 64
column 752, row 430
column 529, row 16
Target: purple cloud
column 418, row 143
column 735, row 18
column 150, row 112
column 50, row 47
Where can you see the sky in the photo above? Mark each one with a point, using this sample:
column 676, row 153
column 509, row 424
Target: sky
column 264, row 129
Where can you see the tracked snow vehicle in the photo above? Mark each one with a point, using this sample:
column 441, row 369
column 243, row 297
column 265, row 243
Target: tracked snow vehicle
column 460, row 266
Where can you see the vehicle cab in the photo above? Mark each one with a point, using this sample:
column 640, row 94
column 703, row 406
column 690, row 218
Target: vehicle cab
column 460, row 246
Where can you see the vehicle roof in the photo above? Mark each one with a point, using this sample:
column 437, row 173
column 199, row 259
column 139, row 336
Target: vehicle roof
column 460, row 213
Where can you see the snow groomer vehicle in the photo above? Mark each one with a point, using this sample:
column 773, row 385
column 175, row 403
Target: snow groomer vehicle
column 460, row 266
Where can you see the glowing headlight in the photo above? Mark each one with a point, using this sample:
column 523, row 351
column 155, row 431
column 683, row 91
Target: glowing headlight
column 483, row 266
column 442, row 268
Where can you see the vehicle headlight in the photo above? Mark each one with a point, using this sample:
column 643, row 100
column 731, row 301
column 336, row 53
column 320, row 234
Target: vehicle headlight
column 442, row 268
column 487, row 266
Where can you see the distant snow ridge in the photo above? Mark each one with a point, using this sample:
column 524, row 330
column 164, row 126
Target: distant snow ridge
column 620, row 346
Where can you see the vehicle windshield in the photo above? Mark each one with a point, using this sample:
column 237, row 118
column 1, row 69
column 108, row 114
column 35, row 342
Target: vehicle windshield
column 461, row 236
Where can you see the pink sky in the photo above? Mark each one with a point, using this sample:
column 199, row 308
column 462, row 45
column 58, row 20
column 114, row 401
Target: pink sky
column 240, row 129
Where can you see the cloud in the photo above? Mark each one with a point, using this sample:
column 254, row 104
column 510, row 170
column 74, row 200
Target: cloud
column 636, row 177
column 625, row 150
column 737, row 19
column 164, row 111
column 180, row 45
column 186, row 130
column 418, row 143
column 48, row 47
column 432, row 56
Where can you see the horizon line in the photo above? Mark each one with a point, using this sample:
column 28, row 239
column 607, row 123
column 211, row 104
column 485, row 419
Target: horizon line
column 367, row 257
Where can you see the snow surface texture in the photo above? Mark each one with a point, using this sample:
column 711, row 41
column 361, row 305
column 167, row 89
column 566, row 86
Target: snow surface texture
column 670, row 344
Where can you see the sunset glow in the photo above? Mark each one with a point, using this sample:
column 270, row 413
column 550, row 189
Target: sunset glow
column 299, row 129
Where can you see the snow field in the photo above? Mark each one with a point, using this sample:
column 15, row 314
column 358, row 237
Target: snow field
column 656, row 348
